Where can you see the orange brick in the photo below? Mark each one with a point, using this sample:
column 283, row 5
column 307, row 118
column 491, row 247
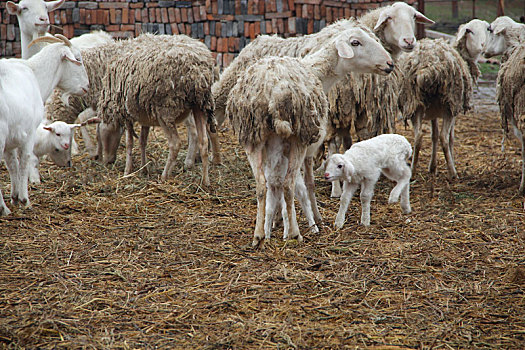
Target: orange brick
column 227, row 58
column 82, row 13
column 178, row 16
column 190, row 15
column 222, row 45
column 246, row 29
column 218, row 28
column 188, row 29
column 213, row 43
column 158, row 15
column 269, row 29
column 174, row 28
column 233, row 44
column 184, row 14
column 131, row 16
column 317, row 12
column 256, row 29
column 299, row 11
column 151, row 15
column 112, row 16
column 136, row 5
column 63, row 17
column 125, row 15
column 196, row 14
column 310, row 26
column 171, row 14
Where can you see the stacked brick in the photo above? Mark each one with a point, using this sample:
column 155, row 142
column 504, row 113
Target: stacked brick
column 226, row 26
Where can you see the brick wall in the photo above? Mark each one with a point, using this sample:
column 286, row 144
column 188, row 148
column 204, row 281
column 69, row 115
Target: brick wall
column 226, row 26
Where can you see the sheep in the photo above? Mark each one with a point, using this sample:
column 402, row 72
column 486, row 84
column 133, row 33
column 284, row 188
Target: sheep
column 33, row 20
column 369, row 102
column 363, row 164
column 281, row 102
column 158, row 84
column 510, row 92
column 438, row 84
column 24, row 86
column 503, row 34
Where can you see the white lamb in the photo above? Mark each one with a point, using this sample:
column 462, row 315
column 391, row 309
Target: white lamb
column 362, row 165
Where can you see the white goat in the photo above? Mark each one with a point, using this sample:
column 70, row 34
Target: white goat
column 24, row 86
column 33, row 20
column 362, row 165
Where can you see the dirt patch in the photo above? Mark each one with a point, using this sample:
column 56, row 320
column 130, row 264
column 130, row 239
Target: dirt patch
column 106, row 261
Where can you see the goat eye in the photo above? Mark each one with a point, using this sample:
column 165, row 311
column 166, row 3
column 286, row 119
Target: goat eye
column 340, row 166
column 58, row 134
column 355, row 43
column 57, row 150
column 469, row 31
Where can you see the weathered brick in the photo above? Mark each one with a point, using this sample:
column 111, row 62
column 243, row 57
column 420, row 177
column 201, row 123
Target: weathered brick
column 174, row 28
column 151, row 15
column 184, row 14
column 88, row 5
column 111, row 5
column 125, row 15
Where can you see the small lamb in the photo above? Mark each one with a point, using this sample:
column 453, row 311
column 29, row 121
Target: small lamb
column 362, row 165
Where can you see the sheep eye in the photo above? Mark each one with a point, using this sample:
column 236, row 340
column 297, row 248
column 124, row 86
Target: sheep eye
column 355, row 43
column 58, row 134
column 57, row 150
column 490, row 30
column 340, row 166
column 469, row 31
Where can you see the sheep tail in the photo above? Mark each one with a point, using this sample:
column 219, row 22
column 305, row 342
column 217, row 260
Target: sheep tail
column 282, row 128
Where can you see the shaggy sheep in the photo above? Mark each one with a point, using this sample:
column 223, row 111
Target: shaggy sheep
column 362, row 165
column 369, row 102
column 159, row 83
column 511, row 98
column 438, row 85
column 503, row 34
column 281, row 103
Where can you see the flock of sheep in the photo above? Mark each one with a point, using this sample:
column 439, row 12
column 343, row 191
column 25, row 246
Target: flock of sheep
column 285, row 98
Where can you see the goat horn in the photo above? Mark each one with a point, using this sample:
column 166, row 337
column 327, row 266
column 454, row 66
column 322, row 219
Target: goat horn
column 64, row 39
column 48, row 39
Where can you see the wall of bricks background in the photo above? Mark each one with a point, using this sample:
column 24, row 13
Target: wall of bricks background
column 225, row 26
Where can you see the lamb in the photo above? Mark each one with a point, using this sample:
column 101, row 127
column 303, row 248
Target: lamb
column 510, row 94
column 158, row 84
column 33, row 20
column 438, row 84
column 24, row 86
column 280, row 102
column 369, row 102
column 363, row 164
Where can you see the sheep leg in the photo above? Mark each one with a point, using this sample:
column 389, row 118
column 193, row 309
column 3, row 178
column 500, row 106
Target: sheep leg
column 88, row 142
column 294, row 164
column 310, row 186
column 448, row 123
column 4, row 210
column 143, row 141
column 402, row 188
column 348, row 192
column 129, row 149
column 215, row 146
column 301, row 192
column 434, row 133
column 273, row 198
column 367, row 192
column 417, row 125
column 34, row 175
column 174, row 144
column 256, row 159
column 336, row 185
column 521, row 137
column 200, row 123
column 12, row 164
column 189, row 162
column 25, row 158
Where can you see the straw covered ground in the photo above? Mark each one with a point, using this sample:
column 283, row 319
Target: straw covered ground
column 105, row 261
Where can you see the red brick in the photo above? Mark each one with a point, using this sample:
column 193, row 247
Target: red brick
column 188, row 29
column 196, row 14
column 144, row 15
column 329, row 18
column 184, row 14
column 237, row 7
column 252, row 30
column 152, row 4
column 317, row 12
column 112, row 27
column 88, row 17
column 214, row 7
column 131, row 16
column 213, row 43
column 233, row 44
column 190, row 15
column 138, row 15
column 158, row 15
column 178, row 17
column 206, row 26
column 280, row 25
column 227, row 58
column 250, row 7
column 222, row 45
column 125, row 15
column 218, row 28
column 299, row 11
column 202, row 12
column 310, row 26
column 269, row 29
column 3, row 31
column 323, row 12
column 260, row 9
column 82, row 13
column 291, row 5
column 174, row 28
column 69, row 31
column 63, row 17
column 171, row 14
column 182, row 28
column 151, row 15
column 348, row 12
column 164, row 15
column 246, row 29
column 112, row 16
column 136, row 5
column 127, row 27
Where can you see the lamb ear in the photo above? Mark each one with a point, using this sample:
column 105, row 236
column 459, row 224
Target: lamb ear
column 343, row 49
column 501, row 30
column 383, row 17
column 349, row 169
column 13, row 8
column 48, row 128
column 421, row 18
column 53, row 5
column 72, row 126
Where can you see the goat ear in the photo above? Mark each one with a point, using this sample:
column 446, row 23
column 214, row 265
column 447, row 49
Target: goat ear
column 421, row 18
column 65, row 56
column 48, row 128
column 13, row 8
column 383, row 18
column 343, row 49
column 53, row 5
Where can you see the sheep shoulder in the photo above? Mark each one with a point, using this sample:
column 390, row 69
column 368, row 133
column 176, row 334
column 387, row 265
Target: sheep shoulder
column 511, row 88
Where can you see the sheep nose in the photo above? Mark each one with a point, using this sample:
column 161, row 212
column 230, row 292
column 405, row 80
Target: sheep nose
column 326, row 175
column 390, row 67
column 409, row 41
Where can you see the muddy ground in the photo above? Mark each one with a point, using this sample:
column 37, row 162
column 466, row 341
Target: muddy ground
column 106, row 261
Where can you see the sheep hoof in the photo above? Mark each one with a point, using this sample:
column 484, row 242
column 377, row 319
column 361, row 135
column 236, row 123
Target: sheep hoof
column 4, row 211
column 314, row 229
column 257, row 242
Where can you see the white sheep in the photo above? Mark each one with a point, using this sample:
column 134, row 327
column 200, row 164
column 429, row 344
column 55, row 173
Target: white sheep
column 363, row 164
column 280, row 102
column 24, row 86
column 503, row 33
column 33, row 20
column 437, row 84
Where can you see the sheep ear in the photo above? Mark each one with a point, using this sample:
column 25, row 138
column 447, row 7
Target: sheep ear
column 349, row 169
column 502, row 30
column 421, row 18
column 343, row 49
column 48, row 128
column 383, row 17
column 53, row 5
column 13, row 8
column 72, row 126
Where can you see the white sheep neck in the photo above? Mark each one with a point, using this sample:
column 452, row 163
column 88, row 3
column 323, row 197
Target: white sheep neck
column 323, row 64
column 47, row 67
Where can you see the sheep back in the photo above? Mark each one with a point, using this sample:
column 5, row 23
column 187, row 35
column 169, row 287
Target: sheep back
column 277, row 95
column 434, row 71
column 158, row 79
column 511, row 89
